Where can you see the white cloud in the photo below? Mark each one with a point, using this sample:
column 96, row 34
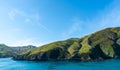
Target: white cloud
column 12, row 14
column 14, row 30
column 26, row 17
column 75, row 27
column 27, row 20
column 109, row 17
column 36, row 17
column 25, row 42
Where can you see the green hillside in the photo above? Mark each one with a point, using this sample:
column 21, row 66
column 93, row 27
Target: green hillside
column 101, row 45
column 6, row 51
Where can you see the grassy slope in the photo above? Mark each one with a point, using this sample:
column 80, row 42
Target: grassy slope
column 107, row 39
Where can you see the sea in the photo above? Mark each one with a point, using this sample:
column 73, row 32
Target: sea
column 9, row 64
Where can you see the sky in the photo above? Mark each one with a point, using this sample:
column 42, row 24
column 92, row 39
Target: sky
column 38, row 22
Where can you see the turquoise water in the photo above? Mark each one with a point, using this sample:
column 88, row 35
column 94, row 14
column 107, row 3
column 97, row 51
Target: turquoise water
column 8, row 64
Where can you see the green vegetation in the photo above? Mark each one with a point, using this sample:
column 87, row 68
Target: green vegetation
column 74, row 48
column 85, row 46
column 6, row 51
column 101, row 45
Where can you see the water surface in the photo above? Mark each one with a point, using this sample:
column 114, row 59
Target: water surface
column 9, row 64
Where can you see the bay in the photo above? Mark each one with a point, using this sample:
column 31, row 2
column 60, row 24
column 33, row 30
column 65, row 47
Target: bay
column 9, row 64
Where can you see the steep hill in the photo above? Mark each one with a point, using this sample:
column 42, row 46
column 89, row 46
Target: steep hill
column 101, row 45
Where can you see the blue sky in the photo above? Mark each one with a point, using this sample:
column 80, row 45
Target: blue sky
column 37, row 22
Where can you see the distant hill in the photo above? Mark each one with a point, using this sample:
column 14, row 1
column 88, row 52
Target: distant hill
column 6, row 51
column 20, row 49
column 101, row 45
